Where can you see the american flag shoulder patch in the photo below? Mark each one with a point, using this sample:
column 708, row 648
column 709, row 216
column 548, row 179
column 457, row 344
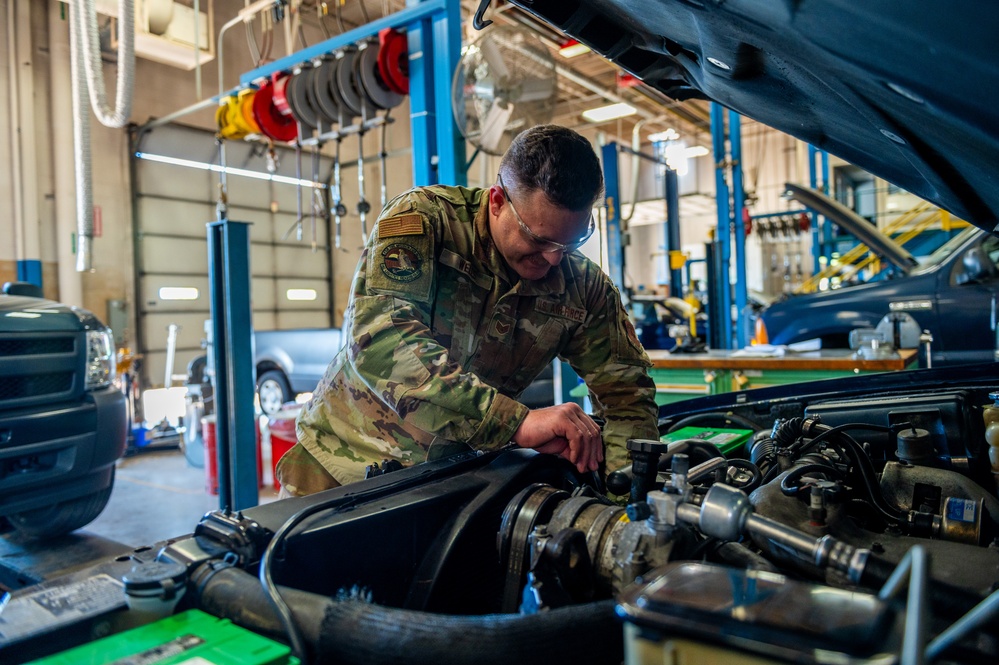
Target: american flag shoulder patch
column 401, row 225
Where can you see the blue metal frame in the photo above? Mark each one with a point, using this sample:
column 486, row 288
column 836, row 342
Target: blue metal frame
column 821, row 245
column 738, row 203
column 671, row 231
column 612, row 200
column 724, row 238
column 29, row 270
column 434, row 53
column 232, row 355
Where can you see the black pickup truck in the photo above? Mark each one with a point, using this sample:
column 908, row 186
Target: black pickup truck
column 62, row 419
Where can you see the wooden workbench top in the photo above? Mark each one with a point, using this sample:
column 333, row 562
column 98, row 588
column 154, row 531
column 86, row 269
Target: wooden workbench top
column 826, row 359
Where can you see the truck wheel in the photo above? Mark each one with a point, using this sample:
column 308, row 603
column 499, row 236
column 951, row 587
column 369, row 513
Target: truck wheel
column 273, row 391
column 62, row 517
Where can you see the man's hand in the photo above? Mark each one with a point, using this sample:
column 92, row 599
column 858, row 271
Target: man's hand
column 563, row 430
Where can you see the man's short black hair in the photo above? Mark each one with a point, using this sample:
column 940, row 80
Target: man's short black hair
column 557, row 161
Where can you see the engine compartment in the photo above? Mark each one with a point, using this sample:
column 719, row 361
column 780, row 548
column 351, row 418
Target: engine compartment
column 856, row 525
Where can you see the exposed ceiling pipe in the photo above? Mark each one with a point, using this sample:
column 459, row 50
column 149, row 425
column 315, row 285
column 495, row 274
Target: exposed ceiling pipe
column 636, row 145
column 88, row 77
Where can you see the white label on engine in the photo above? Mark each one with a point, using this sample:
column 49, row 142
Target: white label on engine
column 40, row 611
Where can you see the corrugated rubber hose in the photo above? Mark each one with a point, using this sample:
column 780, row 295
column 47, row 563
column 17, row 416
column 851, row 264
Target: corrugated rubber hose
column 355, row 631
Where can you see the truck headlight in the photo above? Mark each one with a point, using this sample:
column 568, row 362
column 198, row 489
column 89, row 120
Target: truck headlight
column 101, row 362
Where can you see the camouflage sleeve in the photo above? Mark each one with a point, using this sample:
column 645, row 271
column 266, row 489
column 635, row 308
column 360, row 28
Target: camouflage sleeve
column 607, row 355
column 393, row 349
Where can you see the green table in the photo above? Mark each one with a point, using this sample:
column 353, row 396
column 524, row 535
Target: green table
column 683, row 376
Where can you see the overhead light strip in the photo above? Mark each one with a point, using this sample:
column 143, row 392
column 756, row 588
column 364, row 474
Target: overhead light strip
column 246, row 173
column 609, row 112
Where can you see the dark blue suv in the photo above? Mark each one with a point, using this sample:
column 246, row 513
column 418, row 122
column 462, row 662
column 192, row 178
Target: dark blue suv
column 952, row 293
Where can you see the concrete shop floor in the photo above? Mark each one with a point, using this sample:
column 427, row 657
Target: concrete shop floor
column 157, row 495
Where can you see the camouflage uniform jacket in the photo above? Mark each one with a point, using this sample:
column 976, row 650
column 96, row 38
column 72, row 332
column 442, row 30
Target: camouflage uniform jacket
column 440, row 341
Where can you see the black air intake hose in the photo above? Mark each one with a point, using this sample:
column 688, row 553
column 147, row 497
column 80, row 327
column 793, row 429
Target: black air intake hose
column 359, row 632
column 787, row 432
column 354, row 631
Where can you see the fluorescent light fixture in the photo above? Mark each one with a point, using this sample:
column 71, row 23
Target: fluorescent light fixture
column 571, row 48
column 190, row 163
column 696, row 151
column 178, row 293
column 301, row 294
column 668, row 135
column 676, row 157
column 610, row 112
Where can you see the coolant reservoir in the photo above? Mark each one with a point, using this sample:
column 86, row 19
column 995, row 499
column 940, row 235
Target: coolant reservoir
column 991, row 416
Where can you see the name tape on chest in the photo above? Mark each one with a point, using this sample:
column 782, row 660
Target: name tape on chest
column 562, row 311
column 401, row 225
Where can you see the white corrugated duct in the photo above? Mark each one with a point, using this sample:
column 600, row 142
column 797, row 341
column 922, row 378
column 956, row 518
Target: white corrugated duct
column 88, row 76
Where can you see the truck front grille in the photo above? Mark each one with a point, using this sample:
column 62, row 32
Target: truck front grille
column 35, row 347
column 17, row 387
column 40, row 368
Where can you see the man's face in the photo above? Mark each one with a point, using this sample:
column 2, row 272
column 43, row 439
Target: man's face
column 532, row 251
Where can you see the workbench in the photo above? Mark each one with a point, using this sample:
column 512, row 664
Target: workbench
column 681, row 376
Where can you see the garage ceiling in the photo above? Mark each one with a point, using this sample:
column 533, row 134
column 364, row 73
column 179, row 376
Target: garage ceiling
column 584, row 82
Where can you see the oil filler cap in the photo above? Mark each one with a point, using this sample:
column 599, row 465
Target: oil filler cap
column 154, row 588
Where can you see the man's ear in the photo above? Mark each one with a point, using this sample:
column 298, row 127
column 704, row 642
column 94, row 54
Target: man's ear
column 496, row 200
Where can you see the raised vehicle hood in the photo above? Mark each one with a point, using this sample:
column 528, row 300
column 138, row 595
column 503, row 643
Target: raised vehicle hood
column 869, row 234
column 906, row 90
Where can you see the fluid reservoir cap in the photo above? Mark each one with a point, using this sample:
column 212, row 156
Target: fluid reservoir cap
column 155, row 578
column 914, row 444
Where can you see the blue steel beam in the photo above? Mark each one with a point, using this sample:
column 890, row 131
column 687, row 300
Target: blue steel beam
column 232, row 351
column 434, row 53
column 818, row 179
column 422, row 119
column 612, row 199
column 672, row 232
column 738, row 202
column 724, row 256
column 29, row 270
column 447, row 54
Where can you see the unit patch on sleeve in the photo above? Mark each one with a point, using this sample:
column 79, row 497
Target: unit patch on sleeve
column 563, row 311
column 402, row 262
column 401, row 225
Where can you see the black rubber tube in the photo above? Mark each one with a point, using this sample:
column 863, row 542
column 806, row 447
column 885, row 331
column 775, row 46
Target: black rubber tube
column 757, row 476
column 359, row 632
column 789, row 483
column 354, row 631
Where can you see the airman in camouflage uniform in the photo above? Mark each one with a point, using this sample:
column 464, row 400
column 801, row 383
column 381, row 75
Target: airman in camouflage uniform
column 456, row 307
